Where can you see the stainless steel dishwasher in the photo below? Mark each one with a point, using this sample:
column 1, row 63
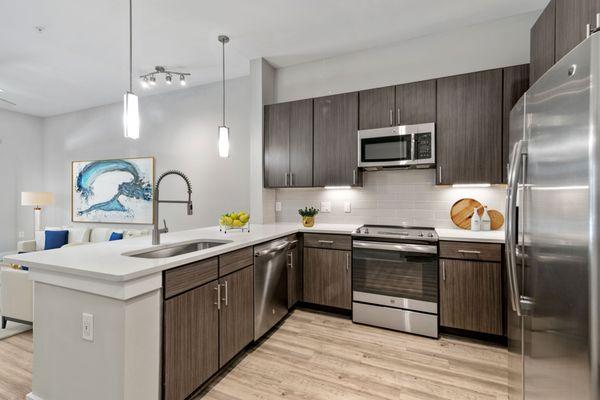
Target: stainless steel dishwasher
column 270, row 285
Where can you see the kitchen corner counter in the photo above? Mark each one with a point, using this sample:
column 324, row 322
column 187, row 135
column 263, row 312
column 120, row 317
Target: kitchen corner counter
column 463, row 235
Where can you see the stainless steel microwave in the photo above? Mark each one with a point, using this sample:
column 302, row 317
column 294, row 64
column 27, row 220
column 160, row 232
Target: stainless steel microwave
column 397, row 146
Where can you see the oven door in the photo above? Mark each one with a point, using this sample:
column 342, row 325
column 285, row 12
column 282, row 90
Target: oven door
column 396, row 275
column 385, row 147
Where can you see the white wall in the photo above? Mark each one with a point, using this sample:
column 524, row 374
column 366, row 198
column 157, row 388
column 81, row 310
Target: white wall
column 20, row 165
column 496, row 44
column 179, row 129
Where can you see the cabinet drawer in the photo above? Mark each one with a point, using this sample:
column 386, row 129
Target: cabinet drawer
column 471, row 251
column 235, row 260
column 189, row 276
column 327, row 241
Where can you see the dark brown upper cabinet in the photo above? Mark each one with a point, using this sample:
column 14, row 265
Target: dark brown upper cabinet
column 416, row 102
column 542, row 50
column 469, row 128
column 572, row 16
column 516, row 82
column 288, row 141
column 376, row 108
column 335, row 140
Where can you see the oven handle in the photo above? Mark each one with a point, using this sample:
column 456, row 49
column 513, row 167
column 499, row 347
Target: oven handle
column 397, row 247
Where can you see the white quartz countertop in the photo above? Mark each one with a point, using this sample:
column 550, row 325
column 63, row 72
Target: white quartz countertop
column 106, row 261
column 463, row 235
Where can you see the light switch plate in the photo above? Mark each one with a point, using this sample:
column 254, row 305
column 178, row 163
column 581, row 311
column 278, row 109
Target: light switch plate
column 21, row 234
column 277, row 206
column 87, row 327
column 347, row 207
column 325, row 206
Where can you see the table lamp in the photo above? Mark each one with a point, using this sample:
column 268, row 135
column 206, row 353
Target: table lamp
column 37, row 199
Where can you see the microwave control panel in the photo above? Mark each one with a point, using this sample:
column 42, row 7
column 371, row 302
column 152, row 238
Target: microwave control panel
column 422, row 146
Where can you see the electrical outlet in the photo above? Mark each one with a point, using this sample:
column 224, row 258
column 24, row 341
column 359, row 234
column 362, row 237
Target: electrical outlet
column 325, row 206
column 277, row 206
column 87, row 327
column 21, row 234
column 347, row 207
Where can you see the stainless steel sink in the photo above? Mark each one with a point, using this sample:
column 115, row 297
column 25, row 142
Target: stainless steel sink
column 177, row 250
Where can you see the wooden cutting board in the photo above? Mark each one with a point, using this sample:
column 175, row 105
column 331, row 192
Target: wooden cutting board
column 496, row 218
column 462, row 211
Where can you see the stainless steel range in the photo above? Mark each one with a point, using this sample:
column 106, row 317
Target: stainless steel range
column 395, row 278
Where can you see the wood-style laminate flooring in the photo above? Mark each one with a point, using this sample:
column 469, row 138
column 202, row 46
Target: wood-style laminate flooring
column 318, row 356
column 16, row 357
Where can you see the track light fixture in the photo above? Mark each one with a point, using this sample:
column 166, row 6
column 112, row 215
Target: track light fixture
column 149, row 79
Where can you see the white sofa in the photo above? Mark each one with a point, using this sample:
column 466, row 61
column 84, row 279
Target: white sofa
column 78, row 236
column 16, row 290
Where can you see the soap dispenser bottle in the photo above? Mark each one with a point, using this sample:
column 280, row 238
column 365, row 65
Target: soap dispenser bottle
column 475, row 221
column 486, row 222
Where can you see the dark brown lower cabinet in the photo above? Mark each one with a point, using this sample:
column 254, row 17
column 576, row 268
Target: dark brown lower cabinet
column 471, row 296
column 237, row 313
column 328, row 277
column 191, row 340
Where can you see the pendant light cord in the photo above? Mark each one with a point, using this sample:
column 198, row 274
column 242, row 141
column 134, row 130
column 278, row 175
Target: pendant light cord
column 223, row 83
column 130, row 47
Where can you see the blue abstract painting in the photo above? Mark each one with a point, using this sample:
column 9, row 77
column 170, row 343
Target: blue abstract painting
column 113, row 191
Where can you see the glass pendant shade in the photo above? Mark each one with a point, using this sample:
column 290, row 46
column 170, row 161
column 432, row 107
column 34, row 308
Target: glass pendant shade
column 223, row 142
column 131, row 116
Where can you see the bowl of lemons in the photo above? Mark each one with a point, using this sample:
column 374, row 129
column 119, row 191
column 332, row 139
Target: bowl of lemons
column 234, row 220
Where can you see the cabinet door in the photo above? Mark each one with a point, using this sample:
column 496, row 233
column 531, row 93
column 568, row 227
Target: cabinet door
column 572, row 16
column 277, row 145
column 191, row 341
column 471, row 296
column 294, row 276
column 336, row 140
column 237, row 313
column 328, row 277
column 516, row 82
column 416, row 102
column 542, row 46
column 469, row 128
column 301, row 143
column 376, row 108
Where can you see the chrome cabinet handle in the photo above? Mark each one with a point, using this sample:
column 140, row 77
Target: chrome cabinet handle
column 286, row 179
column 226, row 299
column 468, row 251
column 218, row 303
column 354, row 176
column 398, row 116
column 588, row 30
column 291, row 179
column 291, row 260
column 519, row 151
column 443, row 270
column 347, row 262
column 391, row 117
column 326, row 241
column 440, row 174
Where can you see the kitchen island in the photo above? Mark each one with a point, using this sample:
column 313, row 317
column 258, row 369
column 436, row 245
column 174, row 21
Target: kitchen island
column 121, row 359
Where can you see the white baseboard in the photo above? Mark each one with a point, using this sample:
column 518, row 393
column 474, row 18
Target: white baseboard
column 32, row 396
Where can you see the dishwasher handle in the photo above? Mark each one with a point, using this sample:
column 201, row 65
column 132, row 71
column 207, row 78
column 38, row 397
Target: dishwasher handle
column 272, row 250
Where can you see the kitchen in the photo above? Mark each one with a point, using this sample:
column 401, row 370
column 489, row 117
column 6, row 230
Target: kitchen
column 402, row 269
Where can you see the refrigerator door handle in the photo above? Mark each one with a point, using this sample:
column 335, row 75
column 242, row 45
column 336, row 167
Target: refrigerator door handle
column 519, row 150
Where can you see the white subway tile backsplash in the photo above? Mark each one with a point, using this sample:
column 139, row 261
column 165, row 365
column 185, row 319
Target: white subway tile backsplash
column 407, row 197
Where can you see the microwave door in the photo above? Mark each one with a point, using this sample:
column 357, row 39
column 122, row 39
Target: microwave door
column 386, row 150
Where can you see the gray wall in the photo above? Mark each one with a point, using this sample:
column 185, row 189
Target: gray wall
column 179, row 129
column 21, row 160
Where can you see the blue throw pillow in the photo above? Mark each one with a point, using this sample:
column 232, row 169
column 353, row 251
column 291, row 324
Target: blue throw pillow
column 55, row 239
column 115, row 236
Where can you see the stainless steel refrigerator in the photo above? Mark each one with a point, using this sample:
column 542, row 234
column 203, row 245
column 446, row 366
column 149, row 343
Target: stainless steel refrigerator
column 552, row 226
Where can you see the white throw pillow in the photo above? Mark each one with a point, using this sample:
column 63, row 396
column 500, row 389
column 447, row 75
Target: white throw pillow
column 78, row 235
column 100, row 234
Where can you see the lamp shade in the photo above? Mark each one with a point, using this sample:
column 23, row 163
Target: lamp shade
column 36, row 198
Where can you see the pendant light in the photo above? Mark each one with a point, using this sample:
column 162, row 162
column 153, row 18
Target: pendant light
column 131, row 113
column 223, row 130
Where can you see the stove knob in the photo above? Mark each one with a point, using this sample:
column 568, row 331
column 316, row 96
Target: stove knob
column 366, row 231
column 430, row 234
column 420, row 234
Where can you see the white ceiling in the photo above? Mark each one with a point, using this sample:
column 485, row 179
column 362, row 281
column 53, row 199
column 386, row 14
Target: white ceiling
column 80, row 59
